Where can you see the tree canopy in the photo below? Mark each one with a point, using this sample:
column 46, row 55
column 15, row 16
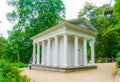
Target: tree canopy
column 107, row 39
column 2, row 43
column 30, row 17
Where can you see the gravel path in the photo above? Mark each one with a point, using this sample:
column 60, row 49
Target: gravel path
column 104, row 73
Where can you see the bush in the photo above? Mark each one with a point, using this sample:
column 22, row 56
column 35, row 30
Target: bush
column 10, row 73
column 109, row 60
column 104, row 60
column 118, row 59
column 19, row 65
column 118, row 54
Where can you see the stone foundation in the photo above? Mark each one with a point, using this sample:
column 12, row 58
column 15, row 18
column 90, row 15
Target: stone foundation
column 63, row 70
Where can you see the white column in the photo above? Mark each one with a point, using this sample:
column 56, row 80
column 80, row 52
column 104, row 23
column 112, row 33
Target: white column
column 34, row 53
column 43, row 53
column 49, row 53
column 84, row 52
column 38, row 53
column 76, row 51
column 56, row 52
column 92, row 52
column 65, row 51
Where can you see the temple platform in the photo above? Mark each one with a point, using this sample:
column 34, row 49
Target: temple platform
column 62, row 69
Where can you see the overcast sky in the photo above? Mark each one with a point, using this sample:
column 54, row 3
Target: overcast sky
column 72, row 9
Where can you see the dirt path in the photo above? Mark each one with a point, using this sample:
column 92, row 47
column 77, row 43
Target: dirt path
column 104, row 73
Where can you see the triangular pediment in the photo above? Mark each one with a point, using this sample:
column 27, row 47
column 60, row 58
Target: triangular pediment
column 82, row 23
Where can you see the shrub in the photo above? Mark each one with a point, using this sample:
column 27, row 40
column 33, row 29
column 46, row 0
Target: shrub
column 10, row 73
column 118, row 59
column 118, row 54
column 19, row 65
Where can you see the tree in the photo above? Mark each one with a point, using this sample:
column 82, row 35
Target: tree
column 116, row 10
column 33, row 13
column 33, row 16
column 2, row 41
column 107, row 38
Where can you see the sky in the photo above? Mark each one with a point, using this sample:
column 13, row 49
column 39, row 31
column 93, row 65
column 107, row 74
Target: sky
column 72, row 9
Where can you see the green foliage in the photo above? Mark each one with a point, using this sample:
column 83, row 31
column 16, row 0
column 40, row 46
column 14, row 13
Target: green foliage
column 9, row 52
column 107, row 40
column 103, row 60
column 118, row 59
column 33, row 17
column 110, row 44
column 2, row 43
column 88, row 51
column 19, row 65
column 9, row 73
column 87, row 9
column 116, row 10
column 118, row 55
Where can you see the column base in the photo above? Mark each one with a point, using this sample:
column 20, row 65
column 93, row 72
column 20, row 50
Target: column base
column 76, row 65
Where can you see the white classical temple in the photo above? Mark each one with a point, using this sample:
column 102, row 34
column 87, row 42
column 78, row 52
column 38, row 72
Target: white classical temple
column 64, row 45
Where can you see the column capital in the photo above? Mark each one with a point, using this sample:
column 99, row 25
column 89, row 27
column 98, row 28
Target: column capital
column 34, row 43
column 65, row 34
column 43, row 41
column 49, row 39
column 92, row 40
column 56, row 36
column 76, row 35
column 38, row 43
column 85, row 38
